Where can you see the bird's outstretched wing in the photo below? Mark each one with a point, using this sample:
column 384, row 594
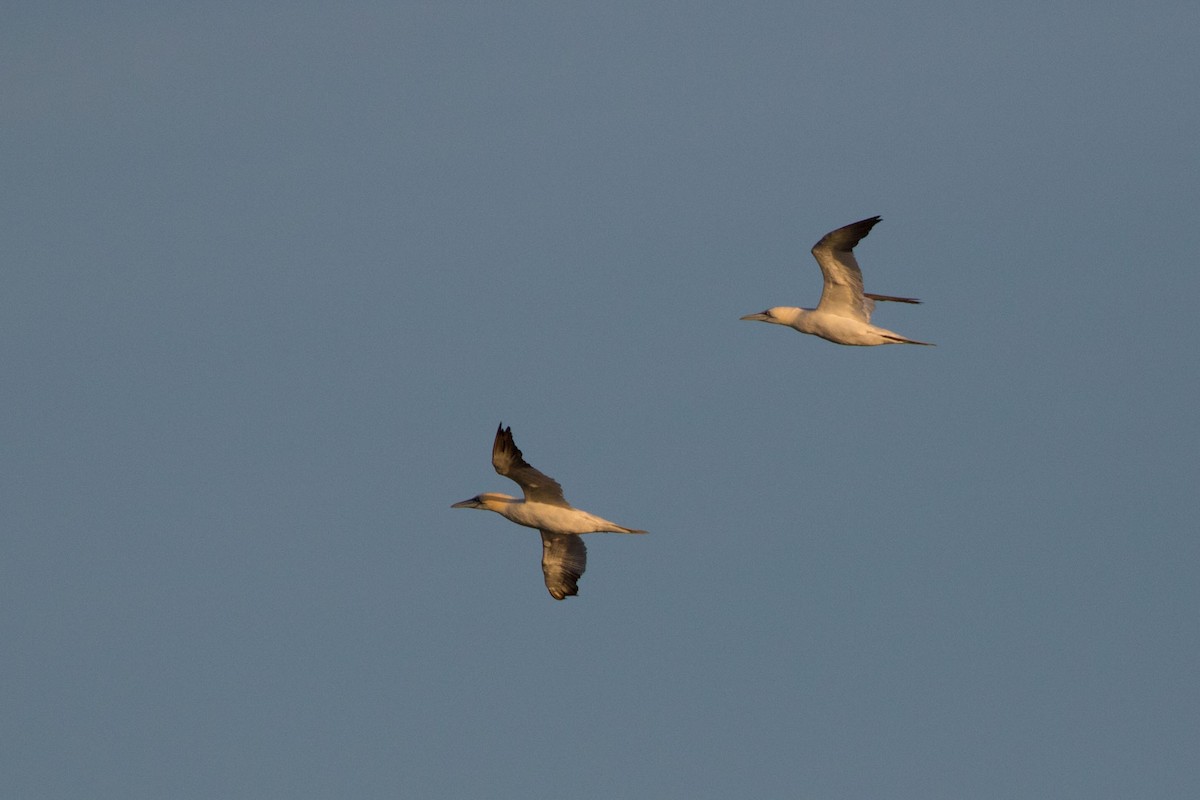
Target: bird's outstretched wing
column 508, row 461
column 843, row 292
column 891, row 299
column 564, row 558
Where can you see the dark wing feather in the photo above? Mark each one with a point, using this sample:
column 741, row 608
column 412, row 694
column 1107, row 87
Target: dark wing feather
column 564, row 558
column 508, row 461
column 891, row 299
column 843, row 292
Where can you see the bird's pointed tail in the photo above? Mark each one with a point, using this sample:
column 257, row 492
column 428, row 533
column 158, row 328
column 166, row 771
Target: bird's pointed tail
column 902, row 340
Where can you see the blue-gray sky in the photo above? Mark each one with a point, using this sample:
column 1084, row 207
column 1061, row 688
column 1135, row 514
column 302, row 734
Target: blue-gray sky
column 272, row 276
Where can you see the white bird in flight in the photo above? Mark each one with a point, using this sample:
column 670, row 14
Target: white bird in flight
column 564, row 558
column 844, row 314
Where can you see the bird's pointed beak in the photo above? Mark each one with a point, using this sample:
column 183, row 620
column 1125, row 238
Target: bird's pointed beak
column 472, row 503
column 761, row 316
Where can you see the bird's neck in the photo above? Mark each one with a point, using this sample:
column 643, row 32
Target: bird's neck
column 788, row 315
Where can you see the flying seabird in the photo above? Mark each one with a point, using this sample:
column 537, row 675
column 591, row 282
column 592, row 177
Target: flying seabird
column 844, row 314
column 564, row 558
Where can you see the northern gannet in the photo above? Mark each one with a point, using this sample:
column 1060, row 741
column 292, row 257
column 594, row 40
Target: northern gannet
column 844, row 314
column 564, row 558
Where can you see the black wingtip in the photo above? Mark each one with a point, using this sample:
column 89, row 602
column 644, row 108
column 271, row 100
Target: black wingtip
column 845, row 238
column 890, row 299
column 504, row 444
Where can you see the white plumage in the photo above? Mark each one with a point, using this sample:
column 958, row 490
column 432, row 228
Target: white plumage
column 844, row 314
column 564, row 557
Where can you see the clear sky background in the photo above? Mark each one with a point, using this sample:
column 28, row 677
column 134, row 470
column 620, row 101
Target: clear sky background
column 272, row 276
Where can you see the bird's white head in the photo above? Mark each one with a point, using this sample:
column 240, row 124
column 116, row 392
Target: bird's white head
column 488, row 501
column 779, row 315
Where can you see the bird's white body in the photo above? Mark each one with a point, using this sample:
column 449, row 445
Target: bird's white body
column 844, row 314
column 564, row 556
column 835, row 327
column 547, row 517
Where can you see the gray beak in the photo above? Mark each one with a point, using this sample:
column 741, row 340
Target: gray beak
column 472, row 503
column 762, row 316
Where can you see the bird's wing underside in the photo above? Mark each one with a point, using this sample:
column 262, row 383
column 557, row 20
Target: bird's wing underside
column 564, row 558
column 843, row 292
column 508, row 461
